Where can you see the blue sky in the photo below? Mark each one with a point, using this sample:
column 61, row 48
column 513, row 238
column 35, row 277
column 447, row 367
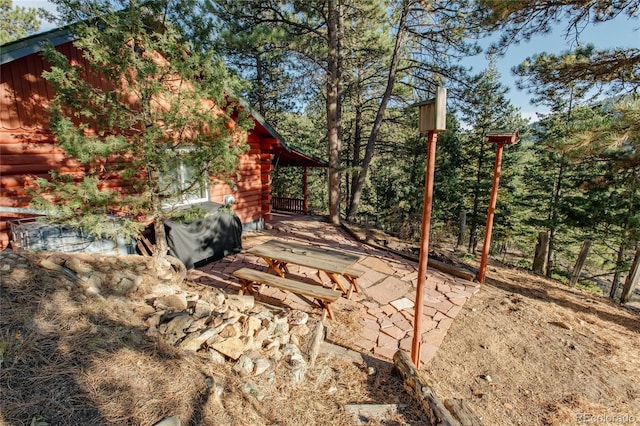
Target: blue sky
column 621, row 32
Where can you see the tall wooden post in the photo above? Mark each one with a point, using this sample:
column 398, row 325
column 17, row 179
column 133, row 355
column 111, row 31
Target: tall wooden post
column 305, row 190
column 432, row 119
column 486, row 245
column 500, row 137
column 416, row 344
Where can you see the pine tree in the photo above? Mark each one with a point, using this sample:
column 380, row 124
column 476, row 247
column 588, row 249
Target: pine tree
column 486, row 108
column 607, row 191
column 142, row 106
column 17, row 22
column 521, row 20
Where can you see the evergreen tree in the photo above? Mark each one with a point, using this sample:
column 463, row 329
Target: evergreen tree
column 426, row 40
column 258, row 53
column 142, row 107
column 486, row 108
column 608, row 189
column 520, row 20
column 316, row 34
column 537, row 77
column 17, row 22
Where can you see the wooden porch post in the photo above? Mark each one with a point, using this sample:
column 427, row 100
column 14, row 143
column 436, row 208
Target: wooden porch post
column 305, row 190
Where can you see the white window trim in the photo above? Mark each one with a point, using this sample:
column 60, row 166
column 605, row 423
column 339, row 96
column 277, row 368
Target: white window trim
column 183, row 201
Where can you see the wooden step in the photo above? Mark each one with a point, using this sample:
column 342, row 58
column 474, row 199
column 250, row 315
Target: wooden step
column 324, row 296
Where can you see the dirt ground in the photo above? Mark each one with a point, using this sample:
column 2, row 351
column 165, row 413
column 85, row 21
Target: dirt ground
column 524, row 351
column 527, row 350
column 530, row 351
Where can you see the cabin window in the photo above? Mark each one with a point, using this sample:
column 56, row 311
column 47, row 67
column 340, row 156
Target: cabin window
column 184, row 186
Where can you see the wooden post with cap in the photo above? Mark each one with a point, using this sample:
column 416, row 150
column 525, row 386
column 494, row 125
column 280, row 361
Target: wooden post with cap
column 305, row 190
column 499, row 137
column 433, row 118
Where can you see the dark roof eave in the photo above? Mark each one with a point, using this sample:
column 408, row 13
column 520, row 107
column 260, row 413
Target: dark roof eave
column 274, row 133
column 33, row 44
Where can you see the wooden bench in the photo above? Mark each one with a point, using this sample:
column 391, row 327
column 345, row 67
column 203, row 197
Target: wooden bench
column 351, row 275
column 324, row 296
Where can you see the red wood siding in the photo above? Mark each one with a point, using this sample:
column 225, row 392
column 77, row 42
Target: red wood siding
column 29, row 151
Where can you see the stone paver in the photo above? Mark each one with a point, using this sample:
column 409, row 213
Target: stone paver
column 402, row 303
column 378, row 265
column 387, row 287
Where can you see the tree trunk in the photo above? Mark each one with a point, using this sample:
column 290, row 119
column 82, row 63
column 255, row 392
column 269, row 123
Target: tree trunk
column 553, row 216
column 616, row 276
column 463, row 228
column 577, row 269
column 632, row 279
column 473, row 229
column 333, row 106
column 356, row 191
column 161, row 248
column 540, row 257
column 260, row 80
column 356, row 164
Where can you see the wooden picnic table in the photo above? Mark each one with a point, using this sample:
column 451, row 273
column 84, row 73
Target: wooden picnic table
column 278, row 253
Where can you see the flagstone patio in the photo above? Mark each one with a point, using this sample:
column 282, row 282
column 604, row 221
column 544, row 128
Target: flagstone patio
column 387, row 289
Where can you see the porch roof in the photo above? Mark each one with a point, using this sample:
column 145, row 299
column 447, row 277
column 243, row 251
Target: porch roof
column 285, row 154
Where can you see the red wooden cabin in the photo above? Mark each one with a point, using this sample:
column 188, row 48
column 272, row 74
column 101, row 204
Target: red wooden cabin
column 28, row 149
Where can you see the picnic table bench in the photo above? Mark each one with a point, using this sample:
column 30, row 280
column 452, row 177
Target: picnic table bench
column 323, row 296
column 278, row 253
column 351, row 275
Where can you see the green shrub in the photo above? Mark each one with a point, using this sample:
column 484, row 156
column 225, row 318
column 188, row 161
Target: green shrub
column 525, row 264
column 560, row 277
column 589, row 286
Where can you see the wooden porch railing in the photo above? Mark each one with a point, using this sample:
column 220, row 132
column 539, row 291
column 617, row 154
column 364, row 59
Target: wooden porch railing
column 293, row 205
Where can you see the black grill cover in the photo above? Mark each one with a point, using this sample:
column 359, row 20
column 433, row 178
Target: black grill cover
column 205, row 240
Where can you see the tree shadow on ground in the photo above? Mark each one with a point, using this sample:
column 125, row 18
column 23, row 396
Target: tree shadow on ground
column 574, row 301
column 72, row 360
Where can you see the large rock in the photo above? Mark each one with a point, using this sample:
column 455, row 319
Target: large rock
column 251, row 325
column 244, row 366
column 178, row 324
column 260, row 365
column 202, row 309
column 198, row 325
column 172, row 302
column 232, row 347
column 240, row 303
column 230, row 330
column 194, row 341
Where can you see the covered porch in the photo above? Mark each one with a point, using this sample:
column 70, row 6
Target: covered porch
column 290, row 186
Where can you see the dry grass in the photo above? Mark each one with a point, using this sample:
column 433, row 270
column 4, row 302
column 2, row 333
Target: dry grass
column 69, row 359
column 555, row 355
